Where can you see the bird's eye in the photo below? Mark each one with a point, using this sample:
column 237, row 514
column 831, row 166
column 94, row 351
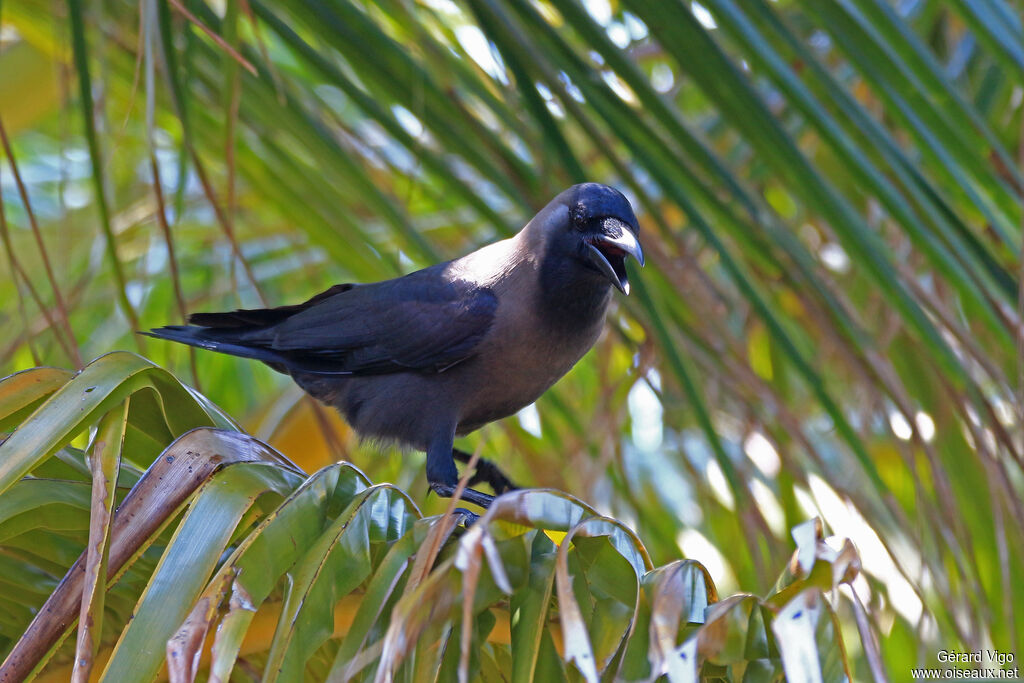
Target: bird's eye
column 579, row 216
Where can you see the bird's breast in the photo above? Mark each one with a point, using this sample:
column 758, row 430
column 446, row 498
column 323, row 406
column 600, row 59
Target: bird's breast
column 539, row 331
column 521, row 358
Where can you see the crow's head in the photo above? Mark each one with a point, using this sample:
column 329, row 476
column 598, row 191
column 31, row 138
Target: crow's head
column 592, row 228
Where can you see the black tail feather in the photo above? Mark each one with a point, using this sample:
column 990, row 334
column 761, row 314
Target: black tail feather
column 248, row 333
column 201, row 337
column 228, row 341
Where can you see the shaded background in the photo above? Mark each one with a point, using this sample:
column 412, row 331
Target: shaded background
column 830, row 199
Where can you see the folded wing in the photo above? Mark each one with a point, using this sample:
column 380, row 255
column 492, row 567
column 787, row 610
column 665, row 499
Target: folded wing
column 420, row 322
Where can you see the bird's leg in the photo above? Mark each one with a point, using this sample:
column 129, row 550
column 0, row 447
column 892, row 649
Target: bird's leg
column 487, row 472
column 442, row 476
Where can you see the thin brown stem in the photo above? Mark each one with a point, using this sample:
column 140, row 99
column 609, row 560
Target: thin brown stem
column 229, row 232
column 137, row 75
column 62, row 310
column 234, row 99
column 210, row 193
column 214, row 37
column 172, row 259
column 17, row 277
column 147, row 28
column 275, row 77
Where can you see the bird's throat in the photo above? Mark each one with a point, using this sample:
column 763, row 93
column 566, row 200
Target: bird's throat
column 573, row 297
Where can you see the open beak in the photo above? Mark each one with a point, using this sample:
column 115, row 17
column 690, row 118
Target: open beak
column 608, row 249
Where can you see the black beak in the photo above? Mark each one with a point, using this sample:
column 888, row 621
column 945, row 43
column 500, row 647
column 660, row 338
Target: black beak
column 607, row 251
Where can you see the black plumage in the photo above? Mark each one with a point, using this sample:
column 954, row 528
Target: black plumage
column 444, row 350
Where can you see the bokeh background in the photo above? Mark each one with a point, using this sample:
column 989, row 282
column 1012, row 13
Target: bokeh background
column 830, row 195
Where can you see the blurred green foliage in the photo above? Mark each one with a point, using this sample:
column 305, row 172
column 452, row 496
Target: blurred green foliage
column 830, row 194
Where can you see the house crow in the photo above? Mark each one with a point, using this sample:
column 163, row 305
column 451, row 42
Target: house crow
column 440, row 352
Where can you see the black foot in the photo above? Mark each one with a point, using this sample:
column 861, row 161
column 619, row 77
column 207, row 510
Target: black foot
column 468, row 495
column 486, row 472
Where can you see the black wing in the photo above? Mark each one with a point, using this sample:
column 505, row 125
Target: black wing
column 418, row 322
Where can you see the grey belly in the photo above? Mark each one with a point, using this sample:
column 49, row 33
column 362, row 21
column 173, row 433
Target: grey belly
column 407, row 408
column 414, row 408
